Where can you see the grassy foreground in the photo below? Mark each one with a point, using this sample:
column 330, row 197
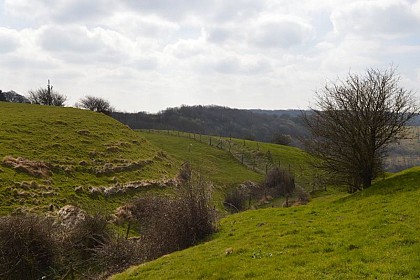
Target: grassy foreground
column 373, row 234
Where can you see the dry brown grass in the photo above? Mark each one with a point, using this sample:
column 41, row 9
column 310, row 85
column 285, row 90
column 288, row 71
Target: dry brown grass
column 34, row 168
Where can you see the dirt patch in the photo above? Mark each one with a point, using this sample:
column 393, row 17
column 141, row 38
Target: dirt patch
column 34, row 168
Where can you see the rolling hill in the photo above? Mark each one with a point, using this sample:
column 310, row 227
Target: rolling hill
column 227, row 152
column 372, row 234
column 52, row 156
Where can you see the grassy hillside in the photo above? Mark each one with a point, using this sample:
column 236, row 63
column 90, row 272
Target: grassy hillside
column 55, row 156
column 224, row 159
column 372, row 234
column 216, row 164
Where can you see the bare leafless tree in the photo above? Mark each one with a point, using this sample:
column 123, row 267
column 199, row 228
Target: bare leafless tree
column 46, row 96
column 96, row 104
column 354, row 122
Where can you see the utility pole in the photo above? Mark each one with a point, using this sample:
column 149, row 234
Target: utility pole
column 49, row 90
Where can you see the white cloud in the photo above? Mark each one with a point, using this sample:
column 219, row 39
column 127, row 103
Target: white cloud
column 149, row 55
column 378, row 18
column 9, row 40
column 280, row 32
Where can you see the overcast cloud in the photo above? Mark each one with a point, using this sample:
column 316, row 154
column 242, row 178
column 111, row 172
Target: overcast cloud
column 148, row 55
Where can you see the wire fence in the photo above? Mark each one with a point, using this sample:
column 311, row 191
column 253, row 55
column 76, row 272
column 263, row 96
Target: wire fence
column 251, row 154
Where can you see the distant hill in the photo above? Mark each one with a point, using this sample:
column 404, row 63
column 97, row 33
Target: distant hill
column 259, row 125
column 12, row 96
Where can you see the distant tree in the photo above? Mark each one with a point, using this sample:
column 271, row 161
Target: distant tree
column 282, row 139
column 96, row 104
column 12, row 96
column 354, row 122
column 47, row 96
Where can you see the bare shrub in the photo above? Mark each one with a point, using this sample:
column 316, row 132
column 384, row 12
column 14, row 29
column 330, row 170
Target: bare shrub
column 118, row 254
column 281, row 181
column 185, row 173
column 27, row 248
column 170, row 223
column 302, row 196
column 235, row 200
column 89, row 234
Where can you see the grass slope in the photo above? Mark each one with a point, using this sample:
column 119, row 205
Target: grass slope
column 371, row 235
column 72, row 148
column 219, row 157
column 215, row 164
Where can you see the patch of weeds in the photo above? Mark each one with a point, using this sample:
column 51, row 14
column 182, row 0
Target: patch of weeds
column 250, row 274
column 352, row 247
column 405, row 242
column 319, row 231
column 299, row 262
column 328, row 250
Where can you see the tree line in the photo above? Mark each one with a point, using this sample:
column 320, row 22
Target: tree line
column 284, row 128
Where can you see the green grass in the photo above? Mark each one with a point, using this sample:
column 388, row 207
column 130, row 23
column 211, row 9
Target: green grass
column 81, row 148
column 215, row 164
column 372, row 234
column 257, row 157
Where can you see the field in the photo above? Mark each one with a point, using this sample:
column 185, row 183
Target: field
column 369, row 235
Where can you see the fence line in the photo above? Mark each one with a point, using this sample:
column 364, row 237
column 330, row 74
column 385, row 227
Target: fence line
column 249, row 153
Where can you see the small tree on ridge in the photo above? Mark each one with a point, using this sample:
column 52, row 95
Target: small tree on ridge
column 95, row 104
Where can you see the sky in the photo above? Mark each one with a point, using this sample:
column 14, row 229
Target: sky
column 148, row 55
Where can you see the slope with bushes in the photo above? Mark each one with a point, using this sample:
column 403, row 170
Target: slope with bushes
column 215, row 164
column 372, row 234
column 51, row 156
column 220, row 158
